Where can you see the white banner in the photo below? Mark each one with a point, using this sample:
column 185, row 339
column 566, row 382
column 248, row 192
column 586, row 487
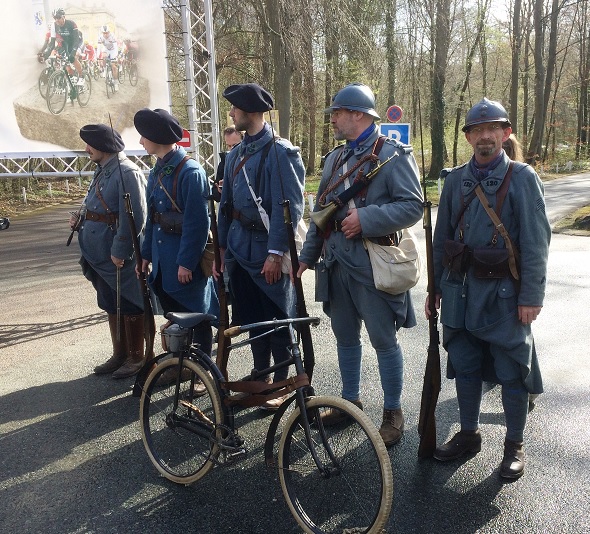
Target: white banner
column 28, row 126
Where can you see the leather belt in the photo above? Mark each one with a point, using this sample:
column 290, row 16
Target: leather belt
column 386, row 240
column 247, row 223
column 156, row 217
column 106, row 218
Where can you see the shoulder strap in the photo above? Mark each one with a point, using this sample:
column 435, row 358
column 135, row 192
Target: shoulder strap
column 172, row 197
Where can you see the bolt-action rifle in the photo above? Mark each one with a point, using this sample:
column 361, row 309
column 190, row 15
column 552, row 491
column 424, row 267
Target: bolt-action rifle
column 223, row 342
column 432, row 379
column 149, row 323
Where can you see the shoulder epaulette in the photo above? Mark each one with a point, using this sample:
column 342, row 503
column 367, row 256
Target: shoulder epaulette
column 406, row 149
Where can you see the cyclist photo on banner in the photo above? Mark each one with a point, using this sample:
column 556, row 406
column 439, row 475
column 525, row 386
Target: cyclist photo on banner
column 107, row 42
column 65, row 39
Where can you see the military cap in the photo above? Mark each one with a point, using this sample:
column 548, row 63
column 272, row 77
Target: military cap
column 102, row 137
column 486, row 111
column 249, row 97
column 158, row 126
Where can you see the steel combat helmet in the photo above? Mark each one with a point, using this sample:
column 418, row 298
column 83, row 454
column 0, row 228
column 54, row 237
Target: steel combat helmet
column 355, row 97
column 486, row 111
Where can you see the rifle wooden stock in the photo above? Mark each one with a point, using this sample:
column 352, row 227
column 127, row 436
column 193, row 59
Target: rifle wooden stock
column 223, row 341
column 432, row 378
column 300, row 308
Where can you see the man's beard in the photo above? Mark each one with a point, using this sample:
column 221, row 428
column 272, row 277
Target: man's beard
column 486, row 149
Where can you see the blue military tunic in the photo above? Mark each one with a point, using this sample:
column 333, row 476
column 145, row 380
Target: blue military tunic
column 99, row 241
column 392, row 201
column 282, row 177
column 492, row 304
column 169, row 251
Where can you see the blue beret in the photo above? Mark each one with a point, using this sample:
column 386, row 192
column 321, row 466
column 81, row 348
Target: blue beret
column 102, row 137
column 249, row 97
column 158, row 126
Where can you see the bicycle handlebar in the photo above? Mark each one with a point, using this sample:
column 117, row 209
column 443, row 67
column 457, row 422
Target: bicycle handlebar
column 275, row 323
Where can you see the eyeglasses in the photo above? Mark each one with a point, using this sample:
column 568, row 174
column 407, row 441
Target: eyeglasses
column 492, row 128
column 339, row 111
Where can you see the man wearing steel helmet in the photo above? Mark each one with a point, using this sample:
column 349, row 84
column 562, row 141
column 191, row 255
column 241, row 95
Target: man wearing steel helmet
column 391, row 202
column 107, row 247
column 490, row 337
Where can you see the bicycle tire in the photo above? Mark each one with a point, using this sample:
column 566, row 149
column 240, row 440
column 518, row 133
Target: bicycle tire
column 84, row 92
column 57, row 92
column 133, row 75
column 44, row 81
column 181, row 455
column 95, row 72
column 109, row 82
column 357, row 495
column 121, row 73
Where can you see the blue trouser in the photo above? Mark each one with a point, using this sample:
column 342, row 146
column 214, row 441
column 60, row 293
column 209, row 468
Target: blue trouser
column 467, row 353
column 350, row 304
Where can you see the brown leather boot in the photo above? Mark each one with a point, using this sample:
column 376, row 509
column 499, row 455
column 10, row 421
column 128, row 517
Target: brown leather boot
column 135, row 347
column 392, row 426
column 334, row 416
column 119, row 348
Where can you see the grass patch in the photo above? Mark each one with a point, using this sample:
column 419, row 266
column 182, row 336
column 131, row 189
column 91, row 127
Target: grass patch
column 577, row 223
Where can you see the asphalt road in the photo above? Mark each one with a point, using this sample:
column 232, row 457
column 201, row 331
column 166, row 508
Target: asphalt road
column 72, row 460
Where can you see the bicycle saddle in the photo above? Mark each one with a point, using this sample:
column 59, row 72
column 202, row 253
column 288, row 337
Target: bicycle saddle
column 189, row 320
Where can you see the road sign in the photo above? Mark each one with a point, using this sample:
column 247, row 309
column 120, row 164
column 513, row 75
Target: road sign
column 398, row 131
column 394, row 113
column 186, row 139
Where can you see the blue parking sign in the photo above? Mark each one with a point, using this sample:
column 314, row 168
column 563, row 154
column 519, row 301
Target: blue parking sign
column 398, row 131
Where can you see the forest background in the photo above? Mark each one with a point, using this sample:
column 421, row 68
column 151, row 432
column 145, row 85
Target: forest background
column 433, row 58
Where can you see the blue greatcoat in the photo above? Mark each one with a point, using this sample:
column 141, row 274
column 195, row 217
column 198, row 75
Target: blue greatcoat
column 492, row 304
column 168, row 251
column 98, row 241
column 392, row 201
column 282, row 177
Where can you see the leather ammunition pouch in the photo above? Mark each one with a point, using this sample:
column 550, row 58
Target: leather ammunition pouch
column 169, row 221
column 247, row 222
column 456, row 256
column 490, row 262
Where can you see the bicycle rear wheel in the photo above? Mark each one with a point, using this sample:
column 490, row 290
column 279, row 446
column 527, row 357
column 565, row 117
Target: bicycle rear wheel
column 57, row 92
column 84, row 91
column 355, row 492
column 180, row 443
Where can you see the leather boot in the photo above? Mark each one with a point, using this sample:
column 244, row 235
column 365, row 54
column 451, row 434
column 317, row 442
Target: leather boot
column 461, row 443
column 119, row 349
column 392, row 426
column 135, row 347
column 512, row 465
column 333, row 416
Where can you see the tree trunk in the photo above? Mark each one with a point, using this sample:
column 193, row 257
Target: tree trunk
column 437, row 134
column 539, row 117
column 390, row 50
column 515, row 44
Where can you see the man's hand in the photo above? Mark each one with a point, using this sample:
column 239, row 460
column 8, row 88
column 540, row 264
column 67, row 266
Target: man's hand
column 272, row 268
column 218, row 269
column 119, row 262
column 184, row 275
column 145, row 264
column 427, row 304
column 527, row 314
column 302, row 268
column 351, row 224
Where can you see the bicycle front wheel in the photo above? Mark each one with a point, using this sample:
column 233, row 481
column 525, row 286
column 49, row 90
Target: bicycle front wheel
column 57, row 92
column 44, row 81
column 353, row 491
column 181, row 442
column 84, row 91
column 133, row 75
column 110, row 83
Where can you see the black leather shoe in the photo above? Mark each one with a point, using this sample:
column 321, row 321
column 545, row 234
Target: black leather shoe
column 461, row 443
column 512, row 465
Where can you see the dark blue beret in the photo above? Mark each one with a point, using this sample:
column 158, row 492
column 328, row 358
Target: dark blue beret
column 102, row 137
column 249, row 97
column 158, row 126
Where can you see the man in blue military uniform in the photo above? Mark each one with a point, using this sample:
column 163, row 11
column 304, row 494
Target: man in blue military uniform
column 178, row 223
column 490, row 338
column 106, row 245
column 391, row 202
column 270, row 169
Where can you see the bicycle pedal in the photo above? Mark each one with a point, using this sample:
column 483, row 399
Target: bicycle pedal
column 235, row 455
